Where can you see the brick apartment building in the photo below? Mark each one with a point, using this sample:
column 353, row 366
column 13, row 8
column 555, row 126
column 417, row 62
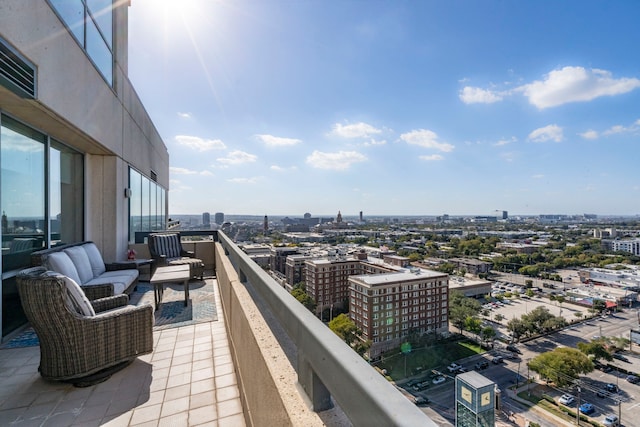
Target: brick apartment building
column 388, row 307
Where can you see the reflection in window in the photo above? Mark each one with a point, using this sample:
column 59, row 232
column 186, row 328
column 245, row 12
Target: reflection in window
column 147, row 205
column 23, row 203
column 65, row 194
column 91, row 24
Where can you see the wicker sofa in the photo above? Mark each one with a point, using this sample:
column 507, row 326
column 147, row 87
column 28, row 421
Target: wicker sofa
column 82, row 341
column 83, row 263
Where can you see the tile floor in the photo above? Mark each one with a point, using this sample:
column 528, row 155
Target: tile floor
column 188, row 380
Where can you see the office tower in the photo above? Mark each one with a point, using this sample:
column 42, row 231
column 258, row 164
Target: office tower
column 206, row 219
column 219, row 218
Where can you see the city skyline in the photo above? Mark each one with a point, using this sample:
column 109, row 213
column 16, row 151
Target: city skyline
column 392, row 108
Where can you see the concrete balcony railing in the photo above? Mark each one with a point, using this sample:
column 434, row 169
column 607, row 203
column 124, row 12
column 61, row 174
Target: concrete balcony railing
column 291, row 368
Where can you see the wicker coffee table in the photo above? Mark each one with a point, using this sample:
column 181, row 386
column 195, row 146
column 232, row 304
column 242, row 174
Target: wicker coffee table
column 179, row 274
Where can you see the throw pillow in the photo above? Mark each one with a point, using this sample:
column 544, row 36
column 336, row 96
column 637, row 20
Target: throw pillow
column 75, row 297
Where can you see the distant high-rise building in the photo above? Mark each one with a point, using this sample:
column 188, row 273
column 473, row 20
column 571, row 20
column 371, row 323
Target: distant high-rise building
column 360, row 216
column 206, row 219
column 265, row 225
column 505, row 214
column 219, row 218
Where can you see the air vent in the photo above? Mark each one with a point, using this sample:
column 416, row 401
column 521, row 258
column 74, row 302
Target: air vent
column 154, row 177
column 16, row 73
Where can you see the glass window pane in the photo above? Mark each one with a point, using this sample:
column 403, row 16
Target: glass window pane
column 65, row 194
column 99, row 52
column 145, row 205
column 135, row 204
column 101, row 11
column 72, row 13
column 22, row 157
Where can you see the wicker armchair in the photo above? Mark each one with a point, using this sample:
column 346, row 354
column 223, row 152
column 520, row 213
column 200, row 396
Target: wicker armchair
column 166, row 249
column 79, row 348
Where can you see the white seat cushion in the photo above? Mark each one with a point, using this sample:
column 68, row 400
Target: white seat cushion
column 95, row 258
column 120, row 283
column 81, row 262
column 61, row 263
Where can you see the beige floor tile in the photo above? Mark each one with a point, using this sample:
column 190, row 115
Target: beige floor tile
column 148, row 413
column 177, row 392
column 203, row 399
column 232, row 421
column 180, row 419
column 226, row 393
column 171, row 407
column 202, row 415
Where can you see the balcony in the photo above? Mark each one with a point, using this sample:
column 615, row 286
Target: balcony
column 265, row 361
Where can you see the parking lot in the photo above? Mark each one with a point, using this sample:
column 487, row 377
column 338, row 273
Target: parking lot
column 519, row 304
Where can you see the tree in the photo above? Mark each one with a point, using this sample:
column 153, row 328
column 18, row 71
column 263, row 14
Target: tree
column 487, row 333
column 599, row 305
column 561, row 365
column 343, row 326
column 596, row 349
column 517, row 328
column 473, row 324
column 299, row 292
column 461, row 307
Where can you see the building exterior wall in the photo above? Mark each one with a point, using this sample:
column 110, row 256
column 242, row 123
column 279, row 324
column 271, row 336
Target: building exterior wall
column 75, row 105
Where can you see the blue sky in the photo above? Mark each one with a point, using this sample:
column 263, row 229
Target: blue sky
column 393, row 107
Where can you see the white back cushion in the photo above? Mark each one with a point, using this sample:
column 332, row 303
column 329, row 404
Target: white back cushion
column 81, row 262
column 95, row 259
column 76, row 299
column 61, row 263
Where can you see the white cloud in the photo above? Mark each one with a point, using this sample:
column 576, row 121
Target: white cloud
column 237, row 157
column 575, row 84
column 206, row 173
column 356, row 130
column 181, row 171
column 590, row 134
column 502, row 142
column 374, row 143
column 341, row 160
column 200, row 144
column 244, row 180
column 476, row 95
column 275, row 141
column 184, row 115
column 509, row 156
column 276, row 168
column 427, row 139
column 433, row 157
column 547, row 133
column 558, row 87
column 538, row 176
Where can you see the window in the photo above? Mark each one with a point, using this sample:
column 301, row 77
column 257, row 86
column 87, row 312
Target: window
column 147, row 204
column 38, row 209
column 90, row 22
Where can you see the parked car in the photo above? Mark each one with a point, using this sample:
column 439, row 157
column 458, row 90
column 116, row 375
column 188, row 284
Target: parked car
column 514, row 349
column 497, row 360
column 483, row 364
column 587, row 408
column 633, row 379
column 566, row 399
column 620, row 357
column 611, row 388
column 420, row 386
column 611, row 421
column 453, row 367
column 439, row 380
column 419, row 400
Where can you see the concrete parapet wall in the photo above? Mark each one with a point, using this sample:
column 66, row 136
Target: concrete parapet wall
column 267, row 381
